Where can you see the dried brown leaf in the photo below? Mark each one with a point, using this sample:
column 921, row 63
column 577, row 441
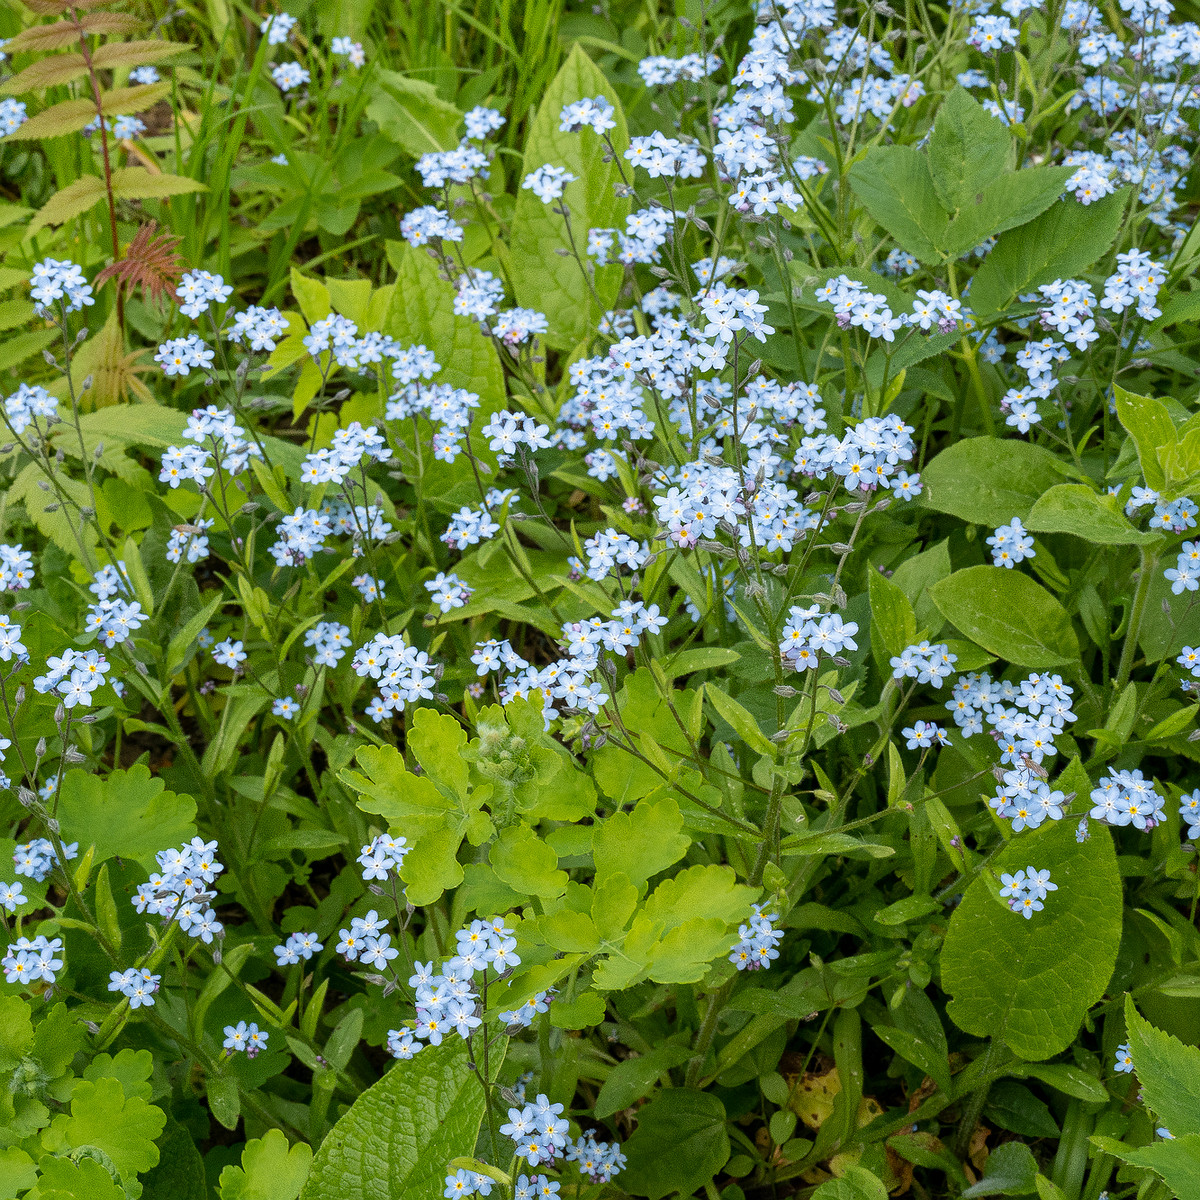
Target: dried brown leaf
column 150, row 263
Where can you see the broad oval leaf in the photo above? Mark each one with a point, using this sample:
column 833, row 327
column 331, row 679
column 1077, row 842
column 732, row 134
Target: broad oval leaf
column 1009, row 615
column 400, row 1133
column 989, row 480
column 1029, row 982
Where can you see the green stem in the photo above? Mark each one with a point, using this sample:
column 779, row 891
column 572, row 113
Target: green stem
column 1149, row 563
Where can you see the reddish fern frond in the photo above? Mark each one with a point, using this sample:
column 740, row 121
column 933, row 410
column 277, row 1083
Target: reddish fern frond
column 150, row 263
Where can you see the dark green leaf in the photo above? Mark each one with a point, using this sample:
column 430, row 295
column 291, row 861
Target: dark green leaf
column 679, row 1145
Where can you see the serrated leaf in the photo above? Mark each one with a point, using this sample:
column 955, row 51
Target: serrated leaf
column 968, row 149
column 400, row 1133
column 545, row 280
column 895, row 185
column 66, row 32
column 138, row 183
column 1009, row 615
column 1061, row 243
column 116, row 56
column 70, row 116
column 1176, row 1162
column 679, row 1145
column 76, row 198
column 1010, row 201
column 102, row 1116
column 46, row 72
column 1168, row 1071
column 1028, row 983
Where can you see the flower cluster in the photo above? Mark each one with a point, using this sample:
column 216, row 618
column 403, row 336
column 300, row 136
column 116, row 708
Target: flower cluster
column 28, row 960
column 925, row 663
column 382, row 855
column 1026, row 799
column 401, row 672
column 62, row 280
column 1026, row 715
column 137, row 984
column 182, row 889
column 1127, row 798
column 757, row 943
column 35, row 859
column 1026, row 890
column 1011, row 544
column 243, row 1038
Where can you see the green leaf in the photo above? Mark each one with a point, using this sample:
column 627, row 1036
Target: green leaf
column 1149, row 423
column 1029, row 983
column 1075, row 508
column 688, row 921
column 127, row 813
column 1014, row 1107
column 398, row 1136
column 125, row 1128
column 64, row 1179
column 640, row 843
column 17, row 1172
column 410, row 113
column 543, row 279
column 1009, row 615
column 72, row 201
column 431, row 867
column 270, row 1170
column 1065, row 1078
column 918, row 1036
column 1064, row 241
column 1168, row 1071
column 1010, row 201
column 988, row 481
column 741, row 719
column 896, row 187
column 527, row 863
column 893, row 623
column 138, row 183
column 180, row 1171
column 635, row 1077
column 968, row 149
column 1010, row 1171
column 856, row 1183
column 1177, row 1162
column 679, row 1145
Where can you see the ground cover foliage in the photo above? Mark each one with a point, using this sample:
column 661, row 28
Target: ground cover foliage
column 599, row 601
